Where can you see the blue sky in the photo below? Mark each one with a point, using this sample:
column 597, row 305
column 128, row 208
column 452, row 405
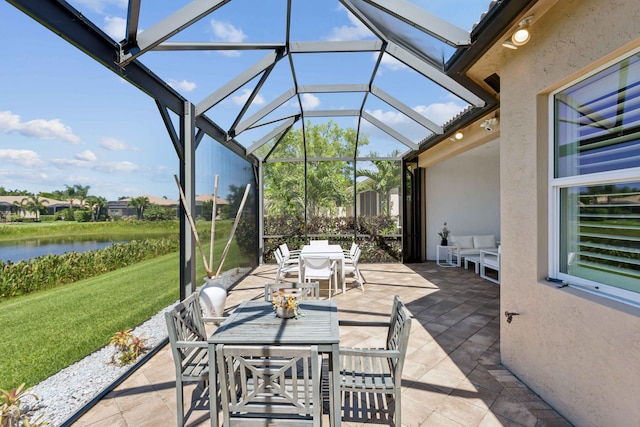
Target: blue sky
column 65, row 119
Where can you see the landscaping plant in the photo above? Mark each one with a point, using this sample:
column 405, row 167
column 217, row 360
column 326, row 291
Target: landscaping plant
column 12, row 411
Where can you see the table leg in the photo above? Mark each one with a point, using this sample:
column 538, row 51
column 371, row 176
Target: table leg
column 213, row 386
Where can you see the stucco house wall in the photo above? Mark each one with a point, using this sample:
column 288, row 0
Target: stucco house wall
column 464, row 191
column 579, row 351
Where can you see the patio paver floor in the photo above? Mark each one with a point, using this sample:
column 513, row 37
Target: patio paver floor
column 452, row 375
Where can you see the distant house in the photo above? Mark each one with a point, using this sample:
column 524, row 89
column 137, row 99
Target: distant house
column 370, row 202
column 120, row 207
column 203, row 198
column 10, row 205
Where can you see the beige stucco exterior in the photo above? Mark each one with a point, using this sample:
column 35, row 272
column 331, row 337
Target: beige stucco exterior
column 579, row 351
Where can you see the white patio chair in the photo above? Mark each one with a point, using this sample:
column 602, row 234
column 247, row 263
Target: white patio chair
column 309, row 290
column 348, row 254
column 352, row 267
column 290, row 257
column 270, row 385
column 490, row 260
column 319, row 268
column 284, row 268
column 318, row 242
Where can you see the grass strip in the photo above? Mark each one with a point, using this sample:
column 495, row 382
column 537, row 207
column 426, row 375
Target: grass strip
column 43, row 333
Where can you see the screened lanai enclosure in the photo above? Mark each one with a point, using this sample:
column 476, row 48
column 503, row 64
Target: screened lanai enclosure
column 321, row 106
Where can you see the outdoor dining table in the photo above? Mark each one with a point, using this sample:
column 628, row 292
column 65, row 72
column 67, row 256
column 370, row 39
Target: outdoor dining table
column 255, row 323
column 334, row 252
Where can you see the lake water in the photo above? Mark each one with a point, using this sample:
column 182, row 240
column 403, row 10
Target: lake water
column 23, row 250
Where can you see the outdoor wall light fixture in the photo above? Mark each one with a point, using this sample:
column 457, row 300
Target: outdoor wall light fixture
column 458, row 135
column 521, row 35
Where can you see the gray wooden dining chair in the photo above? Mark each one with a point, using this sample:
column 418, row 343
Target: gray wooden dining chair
column 307, row 290
column 378, row 370
column 188, row 339
column 270, row 385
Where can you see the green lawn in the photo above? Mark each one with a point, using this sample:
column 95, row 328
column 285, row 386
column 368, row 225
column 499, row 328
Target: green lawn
column 32, row 230
column 44, row 332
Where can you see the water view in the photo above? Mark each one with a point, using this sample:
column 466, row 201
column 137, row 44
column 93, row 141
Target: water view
column 16, row 251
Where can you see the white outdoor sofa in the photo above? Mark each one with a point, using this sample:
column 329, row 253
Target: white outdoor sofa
column 469, row 247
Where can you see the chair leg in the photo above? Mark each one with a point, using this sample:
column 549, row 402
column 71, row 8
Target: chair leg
column 180, row 403
column 398, row 412
column 360, row 279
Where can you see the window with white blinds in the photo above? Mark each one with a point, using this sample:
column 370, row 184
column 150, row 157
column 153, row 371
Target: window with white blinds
column 595, row 182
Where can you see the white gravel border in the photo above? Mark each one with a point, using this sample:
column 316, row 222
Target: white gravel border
column 68, row 391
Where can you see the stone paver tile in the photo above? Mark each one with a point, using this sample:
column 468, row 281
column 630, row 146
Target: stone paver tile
column 438, row 420
column 495, row 420
column 514, row 411
column 105, row 409
column 112, row 421
column 461, row 411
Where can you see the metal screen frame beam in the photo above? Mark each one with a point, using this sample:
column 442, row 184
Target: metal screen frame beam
column 133, row 47
column 421, row 19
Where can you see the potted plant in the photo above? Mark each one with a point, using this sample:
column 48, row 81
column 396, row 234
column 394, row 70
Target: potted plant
column 285, row 305
column 444, row 235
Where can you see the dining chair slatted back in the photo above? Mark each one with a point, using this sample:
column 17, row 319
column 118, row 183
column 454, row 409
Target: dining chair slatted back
column 367, row 370
column 307, row 290
column 270, row 385
column 187, row 337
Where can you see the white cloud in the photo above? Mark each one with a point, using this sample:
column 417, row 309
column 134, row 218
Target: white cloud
column 390, row 62
column 115, row 27
column 124, row 167
column 183, row 85
column 113, row 144
column 309, row 101
column 355, row 31
column 227, row 32
column 440, row 112
column 107, row 167
column 390, row 118
column 39, row 128
column 24, row 158
column 86, row 155
column 244, row 95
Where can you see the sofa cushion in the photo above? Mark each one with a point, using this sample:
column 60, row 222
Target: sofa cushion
column 488, row 241
column 463, row 242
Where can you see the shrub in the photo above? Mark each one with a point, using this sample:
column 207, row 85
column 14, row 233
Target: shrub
column 159, row 213
column 49, row 271
column 82, row 216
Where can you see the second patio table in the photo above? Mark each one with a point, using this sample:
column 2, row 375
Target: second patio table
column 255, row 322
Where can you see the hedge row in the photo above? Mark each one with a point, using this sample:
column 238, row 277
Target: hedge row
column 49, row 271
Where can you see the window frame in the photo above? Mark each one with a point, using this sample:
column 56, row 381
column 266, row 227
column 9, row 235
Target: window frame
column 557, row 184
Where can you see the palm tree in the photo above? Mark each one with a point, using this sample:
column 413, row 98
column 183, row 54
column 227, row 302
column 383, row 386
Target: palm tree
column 34, row 204
column 385, row 178
column 81, row 193
column 139, row 203
column 97, row 204
column 76, row 192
